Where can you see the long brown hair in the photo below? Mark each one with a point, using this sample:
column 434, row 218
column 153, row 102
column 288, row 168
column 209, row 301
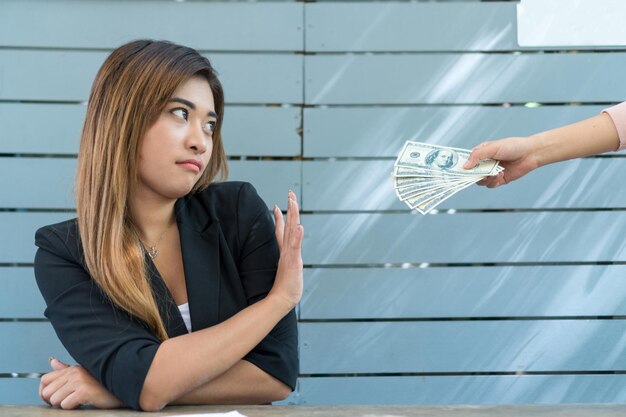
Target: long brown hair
column 129, row 93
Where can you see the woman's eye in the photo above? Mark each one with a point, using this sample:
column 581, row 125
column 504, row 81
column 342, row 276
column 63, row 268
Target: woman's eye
column 211, row 126
column 182, row 113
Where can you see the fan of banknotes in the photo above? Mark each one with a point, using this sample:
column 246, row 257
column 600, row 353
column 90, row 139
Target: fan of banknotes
column 426, row 175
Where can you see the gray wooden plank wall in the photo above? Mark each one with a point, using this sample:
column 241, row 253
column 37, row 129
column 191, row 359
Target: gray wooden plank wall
column 513, row 295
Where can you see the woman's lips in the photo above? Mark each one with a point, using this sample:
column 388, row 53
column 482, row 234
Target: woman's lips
column 191, row 164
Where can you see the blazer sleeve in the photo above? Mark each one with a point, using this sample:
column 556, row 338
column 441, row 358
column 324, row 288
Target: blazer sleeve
column 116, row 349
column 277, row 354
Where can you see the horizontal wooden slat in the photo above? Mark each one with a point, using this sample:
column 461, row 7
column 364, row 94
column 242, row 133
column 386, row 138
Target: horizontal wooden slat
column 533, row 291
column 21, row 228
column 368, row 185
column 49, row 182
column 26, row 347
column 20, row 391
column 25, row 391
column 381, row 131
column 57, row 130
column 384, row 26
column 260, row 78
column 37, row 182
column 272, row 179
column 276, row 78
column 19, row 295
column 464, row 78
column 402, row 238
column 508, row 389
column 464, row 237
column 216, row 26
column 257, row 131
column 462, row 346
column 261, row 131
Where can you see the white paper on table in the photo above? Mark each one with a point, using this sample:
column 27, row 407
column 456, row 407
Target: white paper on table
column 229, row 414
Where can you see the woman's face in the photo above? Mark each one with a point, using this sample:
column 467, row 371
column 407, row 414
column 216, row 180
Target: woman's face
column 176, row 150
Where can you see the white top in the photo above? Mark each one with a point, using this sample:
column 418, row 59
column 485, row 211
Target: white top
column 184, row 311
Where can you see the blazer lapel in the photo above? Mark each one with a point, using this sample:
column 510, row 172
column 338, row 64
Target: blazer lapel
column 168, row 309
column 199, row 240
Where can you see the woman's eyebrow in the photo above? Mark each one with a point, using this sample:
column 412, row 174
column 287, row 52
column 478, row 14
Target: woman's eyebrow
column 190, row 105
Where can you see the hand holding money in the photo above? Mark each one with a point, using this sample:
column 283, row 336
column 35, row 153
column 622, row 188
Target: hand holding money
column 425, row 175
column 517, row 154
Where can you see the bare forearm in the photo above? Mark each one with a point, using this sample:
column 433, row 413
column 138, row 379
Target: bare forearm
column 588, row 137
column 244, row 383
column 187, row 362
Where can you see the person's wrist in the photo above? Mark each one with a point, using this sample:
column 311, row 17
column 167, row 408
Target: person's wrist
column 539, row 149
column 280, row 302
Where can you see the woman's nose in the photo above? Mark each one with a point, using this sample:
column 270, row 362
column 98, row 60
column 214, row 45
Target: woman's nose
column 197, row 140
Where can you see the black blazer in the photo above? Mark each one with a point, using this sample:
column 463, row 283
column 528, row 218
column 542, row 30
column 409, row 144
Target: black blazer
column 230, row 258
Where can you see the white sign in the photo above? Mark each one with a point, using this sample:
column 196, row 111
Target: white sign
column 571, row 23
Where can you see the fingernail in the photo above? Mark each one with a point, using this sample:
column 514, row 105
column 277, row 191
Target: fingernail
column 275, row 207
column 50, row 359
column 289, row 202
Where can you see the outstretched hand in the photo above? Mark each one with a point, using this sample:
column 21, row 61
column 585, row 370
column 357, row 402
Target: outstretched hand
column 289, row 233
column 69, row 387
column 516, row 156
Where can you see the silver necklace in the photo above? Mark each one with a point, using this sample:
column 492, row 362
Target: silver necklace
column 153, row 250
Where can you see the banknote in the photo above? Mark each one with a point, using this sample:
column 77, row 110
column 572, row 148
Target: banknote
column 425, row 206
column 419, row 180
column 426, row 175
column 423, row 197
column 404, row 193
column 424, row 156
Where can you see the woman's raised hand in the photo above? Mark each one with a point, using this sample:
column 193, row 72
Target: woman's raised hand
column 70, row 387
column 516, row 155
column 289, row 234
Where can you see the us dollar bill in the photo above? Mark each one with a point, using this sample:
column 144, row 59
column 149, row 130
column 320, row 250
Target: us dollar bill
column 425, row 175
column 427, row 157
column 425, row 206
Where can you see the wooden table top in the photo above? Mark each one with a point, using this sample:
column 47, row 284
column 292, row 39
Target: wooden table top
column 560, row 410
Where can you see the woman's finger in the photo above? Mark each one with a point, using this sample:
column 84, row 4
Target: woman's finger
column 496, row 181
column 298, row 236
column 52, row 388
column 288, row 219
column 295, row 225
column 280, row 226
column 489, row 182
column 71, row 402
column 50, row 377
column 61, row 394
column 296, row 208
column 41, row 387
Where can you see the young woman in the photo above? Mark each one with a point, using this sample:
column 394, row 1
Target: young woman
column 168, row 288
column 518, row 155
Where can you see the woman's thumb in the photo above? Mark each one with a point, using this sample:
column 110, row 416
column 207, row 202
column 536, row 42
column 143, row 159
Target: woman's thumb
column 56, row 364
column 479, row 153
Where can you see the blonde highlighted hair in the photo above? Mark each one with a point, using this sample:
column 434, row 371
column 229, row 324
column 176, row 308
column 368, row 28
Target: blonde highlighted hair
column 129, row 93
